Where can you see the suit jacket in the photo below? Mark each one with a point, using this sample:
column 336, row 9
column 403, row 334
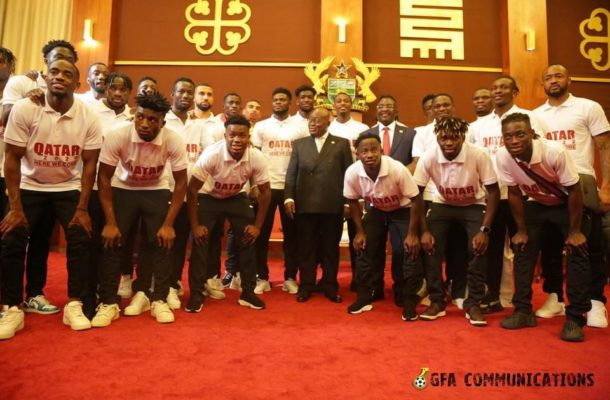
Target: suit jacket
column 402, row 142
column 315, row 181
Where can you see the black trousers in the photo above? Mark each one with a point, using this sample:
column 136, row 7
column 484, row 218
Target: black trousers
column 552, row 259
column 178, row 252
column 503, row 222
column 376, row 225
column 35, row 205
column 319, row 233
column 212, row 212
column 289, row 243
column 440, row 217
column 129, row 206
column 578, row 268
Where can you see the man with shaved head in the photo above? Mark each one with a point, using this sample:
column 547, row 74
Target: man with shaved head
column 314, row 198
column 580, row 125
column 51, row 155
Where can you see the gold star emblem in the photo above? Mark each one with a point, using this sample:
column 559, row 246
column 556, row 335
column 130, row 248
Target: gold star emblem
column 342, row 69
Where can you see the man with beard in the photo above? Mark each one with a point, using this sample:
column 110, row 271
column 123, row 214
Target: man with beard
column 96, row 79
column 274, row 136
column 581, row 125
column 51, row 154
column 461, row 172
column 305, row 97
column 481, row 100
column 487, row 133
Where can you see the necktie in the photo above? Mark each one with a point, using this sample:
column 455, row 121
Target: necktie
column 386, row 141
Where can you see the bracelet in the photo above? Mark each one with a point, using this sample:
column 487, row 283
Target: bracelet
column 82, row 209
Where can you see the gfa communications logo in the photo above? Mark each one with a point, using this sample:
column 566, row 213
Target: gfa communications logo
column 420, row 381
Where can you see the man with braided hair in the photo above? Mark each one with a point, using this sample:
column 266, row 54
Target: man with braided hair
column 459, row 171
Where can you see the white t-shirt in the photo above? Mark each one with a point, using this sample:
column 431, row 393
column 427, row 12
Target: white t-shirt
column 18, row 86
column 140, row 164
column 274, row 138
column 486, row 133
column 574, row 123
column 223, row 176
column 394, row 187
column 549, row 160
column 348, row 130
column 108, row 117
column 174, row 123
column 88, row 97
column 54, row 143
column 301, row 121
column 425, row 139
column 460, row 180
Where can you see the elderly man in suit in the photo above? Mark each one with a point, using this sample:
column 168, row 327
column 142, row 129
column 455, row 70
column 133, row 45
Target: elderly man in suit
column 396, row 142
column 314, row 196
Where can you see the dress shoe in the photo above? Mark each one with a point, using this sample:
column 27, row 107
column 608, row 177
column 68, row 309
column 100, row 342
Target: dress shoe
column 303, row 297
column 335, row 298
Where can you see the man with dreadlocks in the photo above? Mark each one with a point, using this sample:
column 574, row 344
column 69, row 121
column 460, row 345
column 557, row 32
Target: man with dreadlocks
column 458, row 170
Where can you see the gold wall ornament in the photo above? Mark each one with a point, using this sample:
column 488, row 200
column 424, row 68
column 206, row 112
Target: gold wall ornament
column 357, row 87
column 439, row 29
column 207, row 24
column 596, row 47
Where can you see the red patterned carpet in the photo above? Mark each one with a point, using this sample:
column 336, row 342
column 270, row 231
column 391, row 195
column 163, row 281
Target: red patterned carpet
column 299, row 351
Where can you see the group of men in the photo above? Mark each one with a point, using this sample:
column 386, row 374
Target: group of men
column 169, row 170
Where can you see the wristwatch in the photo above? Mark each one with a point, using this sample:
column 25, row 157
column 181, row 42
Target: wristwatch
column 485, row 229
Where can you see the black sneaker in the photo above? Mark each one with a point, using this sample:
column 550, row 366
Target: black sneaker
column 572, row 332
column 194, row 304
column 226, row 280
column 475, row 316
column 518, row 320
column 433, row 311
column 249, row 299
column 409, row 313
column 361, row 305
column 492, row 307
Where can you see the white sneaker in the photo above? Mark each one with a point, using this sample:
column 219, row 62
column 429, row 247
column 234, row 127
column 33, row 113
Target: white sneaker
column 551, row 307
column 12, row 321
column 125, row 287
column 139, row 304
column 262, row 285
column 106, row 313
column 180, row 289
column 459, row 303
column 161, row 311
column 73, row 316
column 235, row 282
column 172, row 299
column 598, row 316
column 214, row 288
column 290, row 286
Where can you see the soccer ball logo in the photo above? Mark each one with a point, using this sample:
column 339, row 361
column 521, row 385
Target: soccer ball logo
column 420, row 382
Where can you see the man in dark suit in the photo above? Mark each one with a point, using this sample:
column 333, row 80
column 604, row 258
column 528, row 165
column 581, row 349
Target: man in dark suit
column 314, row 196
column 396, row 142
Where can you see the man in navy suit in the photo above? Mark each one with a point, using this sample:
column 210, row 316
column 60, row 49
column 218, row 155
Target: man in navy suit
column 314, row 197
column 396, row 142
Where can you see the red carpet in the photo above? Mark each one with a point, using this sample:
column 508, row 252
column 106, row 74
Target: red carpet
column 290, row 350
